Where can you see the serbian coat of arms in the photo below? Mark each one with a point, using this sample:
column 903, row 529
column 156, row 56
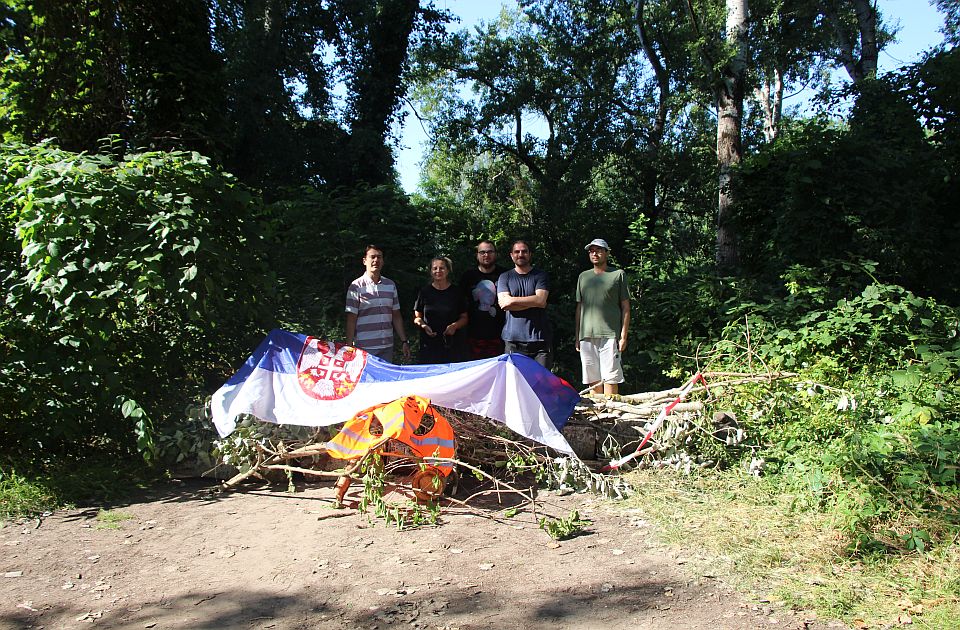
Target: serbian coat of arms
column 327, row 370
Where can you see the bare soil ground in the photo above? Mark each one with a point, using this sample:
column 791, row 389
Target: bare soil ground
column 192, row 557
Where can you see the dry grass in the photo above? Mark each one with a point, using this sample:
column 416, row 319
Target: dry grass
column 739, row 529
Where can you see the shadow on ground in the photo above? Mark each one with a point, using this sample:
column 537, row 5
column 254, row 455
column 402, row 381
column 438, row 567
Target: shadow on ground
column 332, row 606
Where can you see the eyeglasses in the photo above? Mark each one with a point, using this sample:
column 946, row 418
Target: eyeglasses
column 520, row 251
column 486, row 252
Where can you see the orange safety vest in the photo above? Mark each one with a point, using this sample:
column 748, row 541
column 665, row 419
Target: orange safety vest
column 400, row 420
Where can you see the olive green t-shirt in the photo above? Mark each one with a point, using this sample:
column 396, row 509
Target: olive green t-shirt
column 599, row 296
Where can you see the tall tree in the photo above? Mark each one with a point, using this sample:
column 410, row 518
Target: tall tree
column 951, row 20
column 373, row 43
column 661, row 42
column 248, row 82
column 543, row 84
column 142, row 71
column 727, row 74
column 174, row 79
column 277, row 89
column 787, row 50
column 62, row 74
column 858, row 39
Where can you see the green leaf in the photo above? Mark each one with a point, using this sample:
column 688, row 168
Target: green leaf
column 128, row 407
column 189, row 274
column 905, row 379
column 30, row 249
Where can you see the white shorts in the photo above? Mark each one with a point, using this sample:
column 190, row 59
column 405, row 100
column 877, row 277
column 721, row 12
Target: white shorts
column 600, row 359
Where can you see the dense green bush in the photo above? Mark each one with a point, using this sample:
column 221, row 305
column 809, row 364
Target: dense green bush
column 869, row 425
column 132, row 286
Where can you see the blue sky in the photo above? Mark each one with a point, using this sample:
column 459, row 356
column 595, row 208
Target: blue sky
column 919, row 31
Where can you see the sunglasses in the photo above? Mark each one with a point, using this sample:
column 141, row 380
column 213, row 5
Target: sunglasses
column 486, row 252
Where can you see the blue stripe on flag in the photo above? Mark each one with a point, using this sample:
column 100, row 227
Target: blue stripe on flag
column 279, row 352
column 378, row 371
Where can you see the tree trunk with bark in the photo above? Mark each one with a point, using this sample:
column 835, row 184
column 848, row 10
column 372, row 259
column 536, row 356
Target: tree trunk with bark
column 655, row 133
column 770, row 97
column 729, row 93
column 380, row 89
column 864, row 65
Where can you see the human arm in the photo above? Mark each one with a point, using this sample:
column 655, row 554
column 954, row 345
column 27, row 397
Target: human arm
column 576, row 329
column 421, row 323
column 353, row 311
column 401, row 333
column 624, row 311
column 351, row 327
column 625, row 325
column 457, row 325
column 510, row 303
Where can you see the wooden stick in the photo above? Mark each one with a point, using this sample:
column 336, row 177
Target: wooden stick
column 305, row 471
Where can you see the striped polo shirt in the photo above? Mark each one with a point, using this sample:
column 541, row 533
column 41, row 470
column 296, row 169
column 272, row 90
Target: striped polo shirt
column 373, row 303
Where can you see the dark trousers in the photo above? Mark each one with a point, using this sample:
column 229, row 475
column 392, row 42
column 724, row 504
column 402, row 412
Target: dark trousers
column 485, row 348
column 539, row 351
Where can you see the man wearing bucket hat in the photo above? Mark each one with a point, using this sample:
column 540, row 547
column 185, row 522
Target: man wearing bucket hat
column 603, row 320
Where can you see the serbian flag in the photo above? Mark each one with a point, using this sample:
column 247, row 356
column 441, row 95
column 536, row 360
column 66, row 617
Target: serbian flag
column 301, row 380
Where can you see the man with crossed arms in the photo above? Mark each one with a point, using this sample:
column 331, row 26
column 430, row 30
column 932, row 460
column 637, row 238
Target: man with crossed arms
column 522, row 293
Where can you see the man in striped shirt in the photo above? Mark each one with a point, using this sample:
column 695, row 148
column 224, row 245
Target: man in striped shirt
column 373, row 310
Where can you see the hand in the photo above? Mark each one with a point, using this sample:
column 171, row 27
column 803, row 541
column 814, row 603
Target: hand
column 623, row 344
column 576, row 345
column 429, row 331
column 406, row 351
column 451, row 330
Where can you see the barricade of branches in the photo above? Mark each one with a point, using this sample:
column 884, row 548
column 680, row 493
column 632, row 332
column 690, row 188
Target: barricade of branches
column 622, row 422
column 486, row 444
column 496, row 473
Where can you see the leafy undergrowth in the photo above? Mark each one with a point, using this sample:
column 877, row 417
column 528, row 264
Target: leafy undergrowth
column 750, row 533
column 20, row 496
column 74, row 483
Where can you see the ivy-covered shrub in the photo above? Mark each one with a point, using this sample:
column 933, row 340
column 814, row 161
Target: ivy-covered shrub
column 132, row 286
column 864, row 423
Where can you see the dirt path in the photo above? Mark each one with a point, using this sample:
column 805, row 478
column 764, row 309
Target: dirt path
column 194, row 558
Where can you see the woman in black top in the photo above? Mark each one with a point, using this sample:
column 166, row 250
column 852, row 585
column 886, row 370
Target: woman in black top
column 440, row 313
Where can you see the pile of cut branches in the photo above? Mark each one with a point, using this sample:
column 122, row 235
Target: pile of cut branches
column 623, row 421
column 492, row 458
column 402, row 488
column 488, row 449
column 493, row 453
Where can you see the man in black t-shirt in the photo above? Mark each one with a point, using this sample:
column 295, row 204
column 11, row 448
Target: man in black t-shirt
column 486, row 317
